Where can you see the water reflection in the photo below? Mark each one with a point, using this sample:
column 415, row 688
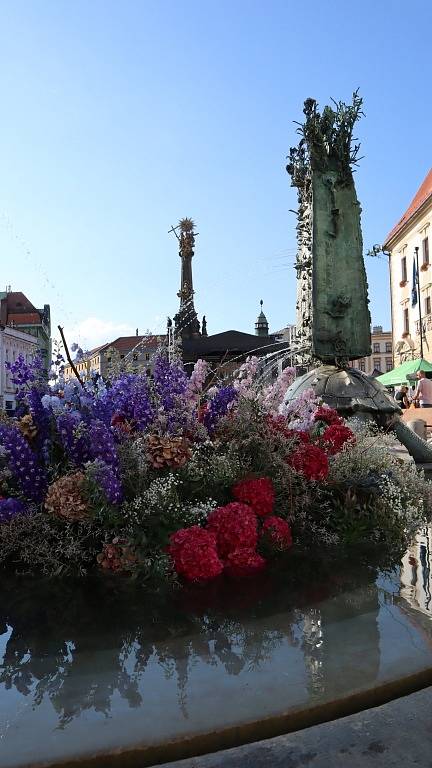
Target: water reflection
column 416, row 572
column 309, row 632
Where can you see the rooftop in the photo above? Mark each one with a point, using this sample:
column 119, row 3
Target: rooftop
column 423, row 194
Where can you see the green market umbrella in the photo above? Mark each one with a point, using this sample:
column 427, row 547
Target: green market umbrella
column 401, row 373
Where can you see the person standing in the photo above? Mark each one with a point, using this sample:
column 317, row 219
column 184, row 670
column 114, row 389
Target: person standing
column 423, row 391
column 401, row 397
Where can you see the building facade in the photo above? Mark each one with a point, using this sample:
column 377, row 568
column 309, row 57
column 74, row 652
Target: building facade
column 381, row 359
column 411, row 232
column 13, row 343
column 134, row 354
column 17, row 311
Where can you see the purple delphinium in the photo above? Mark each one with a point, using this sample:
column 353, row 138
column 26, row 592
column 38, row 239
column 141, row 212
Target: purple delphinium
column 129, row 397
column 10, row 508
column 22, row 373
column 107, row 479
column 42, row 421
column 171, row 389
column 74, row 437
column 102, row 443
column 218, row 406
column 23, row 463
column 170, row 381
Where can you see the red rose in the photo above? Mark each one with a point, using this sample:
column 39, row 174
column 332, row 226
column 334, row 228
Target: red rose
column 335, row 436
column 234, row 525
column 310, row 461
column 244, row 562
column 194, row 553
column 278, row 532
column 258, row 493
column 328, row 415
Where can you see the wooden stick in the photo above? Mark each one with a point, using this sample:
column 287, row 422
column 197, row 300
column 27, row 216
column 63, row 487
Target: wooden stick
column 69, row 359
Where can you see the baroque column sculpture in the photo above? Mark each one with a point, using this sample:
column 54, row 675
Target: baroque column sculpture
column 187, row 325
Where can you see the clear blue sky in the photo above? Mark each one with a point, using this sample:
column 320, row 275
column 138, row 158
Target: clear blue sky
column 118, row 118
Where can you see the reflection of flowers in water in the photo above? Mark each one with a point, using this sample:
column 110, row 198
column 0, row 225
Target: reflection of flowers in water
column 57, row 652
column 47, row 655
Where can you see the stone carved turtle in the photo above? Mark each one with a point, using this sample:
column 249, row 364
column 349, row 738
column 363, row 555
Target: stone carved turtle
column 352, row 393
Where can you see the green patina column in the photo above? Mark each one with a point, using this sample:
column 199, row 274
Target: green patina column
column 333, row 319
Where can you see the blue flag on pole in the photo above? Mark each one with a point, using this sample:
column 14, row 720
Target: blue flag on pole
column 414, row 284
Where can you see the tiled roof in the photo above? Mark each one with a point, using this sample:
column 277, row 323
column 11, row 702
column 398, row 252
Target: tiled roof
column 229, row 341
column 126, row 343
column 422, row 195
column 18, row 302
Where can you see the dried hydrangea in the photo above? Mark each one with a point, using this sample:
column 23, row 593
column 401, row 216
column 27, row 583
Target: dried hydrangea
column 65, row 498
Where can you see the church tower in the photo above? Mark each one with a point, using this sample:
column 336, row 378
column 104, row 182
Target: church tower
column 261, row 325
column 186, row 321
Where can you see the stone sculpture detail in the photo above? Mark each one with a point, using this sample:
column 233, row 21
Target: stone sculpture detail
column 186, row 321
column 333, row 319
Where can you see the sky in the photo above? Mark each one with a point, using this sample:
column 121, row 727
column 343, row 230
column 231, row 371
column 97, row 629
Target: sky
column 121, row 117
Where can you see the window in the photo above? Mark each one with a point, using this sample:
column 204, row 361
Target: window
column 147, row 357
column 362, row 366
column 389, row 364
column 121, row 357
column 108, row 359
column 404, row 269
column 427, row 305
column 148, row 372
column 377, row 363
column 135, row 357
column 406, row 321
column 376, row 347
column 388, row 347
column 425, row 250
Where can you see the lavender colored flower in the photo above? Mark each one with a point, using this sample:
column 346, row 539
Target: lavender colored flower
column 170, row 381
column 198, row 377
column 102, row 444
column 300, row 412
column 108, row 480
column 40, row 418
column 23, row 373
column 74, row 437
column 23, row 463
column 129, row 397
column 218, row 406
column 9, row 508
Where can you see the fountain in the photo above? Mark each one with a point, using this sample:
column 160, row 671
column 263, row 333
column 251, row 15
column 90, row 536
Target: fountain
column 100, row 670
column 333, row 319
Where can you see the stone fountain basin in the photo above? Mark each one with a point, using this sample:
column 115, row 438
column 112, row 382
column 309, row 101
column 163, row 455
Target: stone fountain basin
column 134, row 683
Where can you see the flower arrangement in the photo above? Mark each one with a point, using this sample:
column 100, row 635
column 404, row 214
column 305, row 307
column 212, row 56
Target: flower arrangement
column 163, row 477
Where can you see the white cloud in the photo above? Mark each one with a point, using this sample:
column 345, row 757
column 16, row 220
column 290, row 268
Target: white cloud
column 92, row 332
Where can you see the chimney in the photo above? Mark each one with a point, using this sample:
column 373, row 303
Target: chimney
column 136, row 332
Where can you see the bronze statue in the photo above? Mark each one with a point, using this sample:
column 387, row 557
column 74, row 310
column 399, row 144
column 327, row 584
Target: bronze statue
column 333, row 319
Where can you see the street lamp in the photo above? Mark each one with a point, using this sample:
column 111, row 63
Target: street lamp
column 419, row 300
